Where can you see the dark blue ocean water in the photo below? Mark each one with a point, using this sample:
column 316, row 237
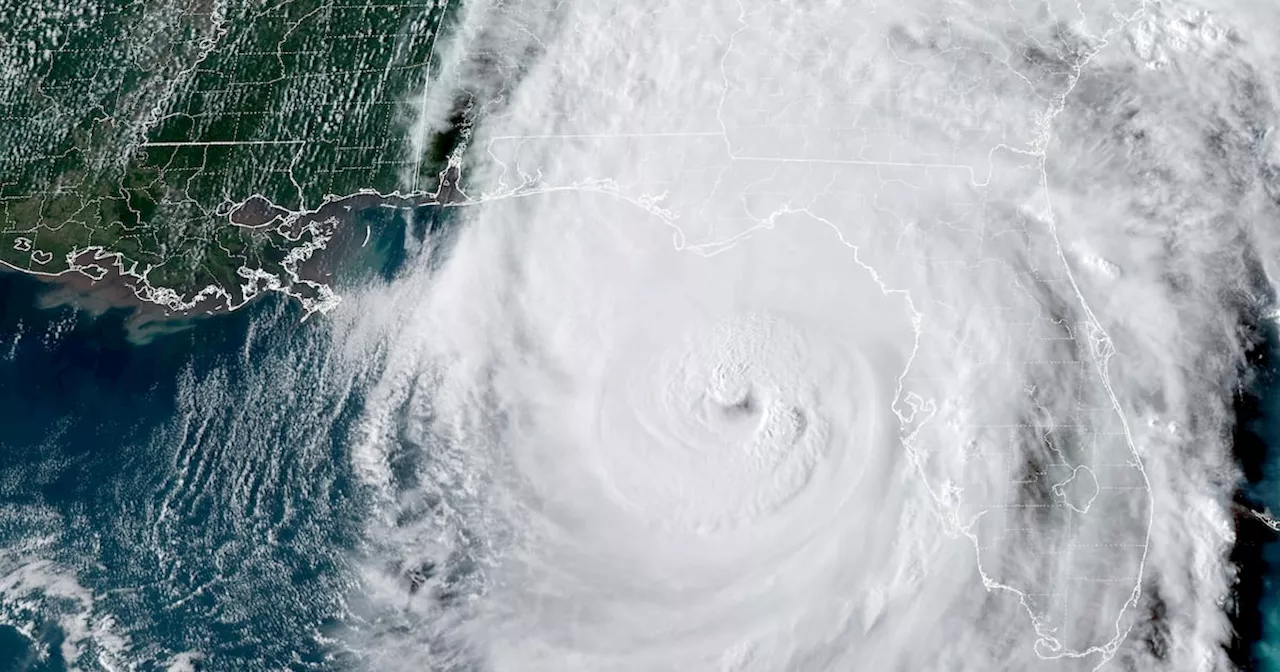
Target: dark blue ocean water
column 1267, row 492
column 196, row 520
column 192, row 494
column 1256, row 441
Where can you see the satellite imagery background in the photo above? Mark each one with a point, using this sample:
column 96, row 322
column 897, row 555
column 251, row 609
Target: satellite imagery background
column 739, row 335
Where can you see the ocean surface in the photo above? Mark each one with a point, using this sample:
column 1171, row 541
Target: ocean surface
column 189, row 502
column 1257, row 553
column 186, row 503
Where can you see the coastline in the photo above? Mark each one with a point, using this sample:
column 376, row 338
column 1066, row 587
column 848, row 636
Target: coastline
column 96, row 287
column 1255, row 435
column 97, row 429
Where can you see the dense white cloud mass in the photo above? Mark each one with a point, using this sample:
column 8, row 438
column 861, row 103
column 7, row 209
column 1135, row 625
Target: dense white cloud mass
column 825, row 336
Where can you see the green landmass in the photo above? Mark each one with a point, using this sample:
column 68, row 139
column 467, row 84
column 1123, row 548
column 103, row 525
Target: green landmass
column 185, row 148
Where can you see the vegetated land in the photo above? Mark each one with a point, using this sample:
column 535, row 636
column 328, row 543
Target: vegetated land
column 198, row 151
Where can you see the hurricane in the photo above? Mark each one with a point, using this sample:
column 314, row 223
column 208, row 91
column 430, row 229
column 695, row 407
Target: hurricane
column 735, row 335
column 818, row 336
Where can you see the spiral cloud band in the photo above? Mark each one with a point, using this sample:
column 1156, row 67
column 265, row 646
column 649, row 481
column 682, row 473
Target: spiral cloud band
column 709, row 452
column 816, row 336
